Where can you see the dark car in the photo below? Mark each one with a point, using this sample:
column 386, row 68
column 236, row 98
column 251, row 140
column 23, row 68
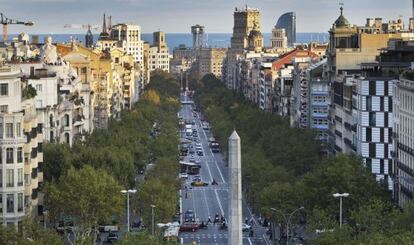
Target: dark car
column 189, row 216
column 200, row 153
column 189, row 226
column 112, row 237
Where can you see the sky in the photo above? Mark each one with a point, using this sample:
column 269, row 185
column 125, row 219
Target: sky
column 177, row 16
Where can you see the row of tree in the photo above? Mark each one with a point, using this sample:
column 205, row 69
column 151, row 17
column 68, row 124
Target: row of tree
column 282, row 169
column 83, row 183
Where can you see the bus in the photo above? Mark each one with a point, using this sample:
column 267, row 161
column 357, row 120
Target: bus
column 189, row 168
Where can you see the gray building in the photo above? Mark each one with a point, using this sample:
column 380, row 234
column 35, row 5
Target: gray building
column 287, row 21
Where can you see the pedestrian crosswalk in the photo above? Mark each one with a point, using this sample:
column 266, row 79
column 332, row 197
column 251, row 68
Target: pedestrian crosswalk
column 214, row 236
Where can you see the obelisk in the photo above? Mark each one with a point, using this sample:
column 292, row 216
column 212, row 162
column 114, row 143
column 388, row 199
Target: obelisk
column 235, row 194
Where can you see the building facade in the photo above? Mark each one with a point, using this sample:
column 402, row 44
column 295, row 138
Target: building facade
column 287, row 21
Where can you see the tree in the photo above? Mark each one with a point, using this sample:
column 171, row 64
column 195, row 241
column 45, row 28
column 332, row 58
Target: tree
column 30, row 233
column 87, row 196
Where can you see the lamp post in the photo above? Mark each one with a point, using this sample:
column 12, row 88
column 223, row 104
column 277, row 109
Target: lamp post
column 152, row 215
column 127, row 192
column 287, row 219
column 340, row 195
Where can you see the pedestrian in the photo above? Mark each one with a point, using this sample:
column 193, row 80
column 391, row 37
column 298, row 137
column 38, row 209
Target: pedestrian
column 245, row 220
column 186, row 195
column 209, row 220
column 251, row 232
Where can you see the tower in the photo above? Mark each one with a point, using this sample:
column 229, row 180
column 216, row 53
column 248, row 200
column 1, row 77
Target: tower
column 255, row 39
column 159, row 39
column 89, row 38
column 244, row 21
column 198, row 36
column 288, row 22
column 235, row 195
column 104, row 34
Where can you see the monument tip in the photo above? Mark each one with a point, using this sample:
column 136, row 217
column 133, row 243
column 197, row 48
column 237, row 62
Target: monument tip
column 234, row 135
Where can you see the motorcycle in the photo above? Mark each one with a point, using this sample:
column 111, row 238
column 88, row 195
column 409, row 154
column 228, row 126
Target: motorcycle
column 203, row 226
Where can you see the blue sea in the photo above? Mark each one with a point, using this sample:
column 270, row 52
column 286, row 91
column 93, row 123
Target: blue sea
column 219, row 40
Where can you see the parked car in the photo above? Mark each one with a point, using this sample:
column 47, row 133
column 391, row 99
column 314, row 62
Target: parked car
column 183, row 176
column 112, row 237
column 200, row 153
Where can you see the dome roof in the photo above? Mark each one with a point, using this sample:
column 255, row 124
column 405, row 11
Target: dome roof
column 342, row 21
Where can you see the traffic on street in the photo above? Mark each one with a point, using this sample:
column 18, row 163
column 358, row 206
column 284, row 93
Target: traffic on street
column 204, row 193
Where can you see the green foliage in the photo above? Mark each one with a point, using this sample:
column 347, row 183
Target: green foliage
column 31, row 233
column 29, row 92
column 88, row 196
column 119, row 151
column 282, row 168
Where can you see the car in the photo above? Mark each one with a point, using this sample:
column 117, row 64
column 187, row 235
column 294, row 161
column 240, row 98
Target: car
column 245, row 227
column 199, row 183
column 189, row 226
column 200, row 153
column 183, row 176
column 189, row 216
column 198, row 145
column 192, row 122
column 196, row 178
column 112, row 237
column 191, row 152
column 192, row 159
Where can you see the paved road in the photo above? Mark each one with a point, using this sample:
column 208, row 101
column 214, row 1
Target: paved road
column 209, row 200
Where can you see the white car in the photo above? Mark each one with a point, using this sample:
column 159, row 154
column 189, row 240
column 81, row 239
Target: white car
column 183, row 176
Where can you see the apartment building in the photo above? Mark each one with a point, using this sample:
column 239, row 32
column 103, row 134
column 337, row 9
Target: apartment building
column 210, row 61
column 21, row 150
column 158, row 53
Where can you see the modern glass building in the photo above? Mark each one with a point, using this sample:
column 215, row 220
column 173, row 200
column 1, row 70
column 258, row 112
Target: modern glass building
column 287, row 21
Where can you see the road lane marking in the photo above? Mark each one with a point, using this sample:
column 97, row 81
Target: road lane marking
column 250, row 242
column 218, row 200
column 215, row 161
column 205, row 199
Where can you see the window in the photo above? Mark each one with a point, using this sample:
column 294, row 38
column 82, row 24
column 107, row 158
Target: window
column 4, row 89
column 372, row 119
column 9, row 155
column 1, row 128
column 66, row 120
column 39, row 87
column 67, row 138
column 1, row 178
column 9, row 130
column 20, row 177
column 1, row 203
column 20, row 202
column 369, row 134
column 10, row 203
column 18, row 130
column 19, row 154
column 9, row 178
column 4, row 108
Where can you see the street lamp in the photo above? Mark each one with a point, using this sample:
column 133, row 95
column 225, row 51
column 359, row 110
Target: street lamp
column 287, row 219
column 127, row 192
column 152, row 215
column 340, row 195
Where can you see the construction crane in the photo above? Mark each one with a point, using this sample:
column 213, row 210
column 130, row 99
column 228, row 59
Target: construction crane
column 6, row 21
column 82, row 26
